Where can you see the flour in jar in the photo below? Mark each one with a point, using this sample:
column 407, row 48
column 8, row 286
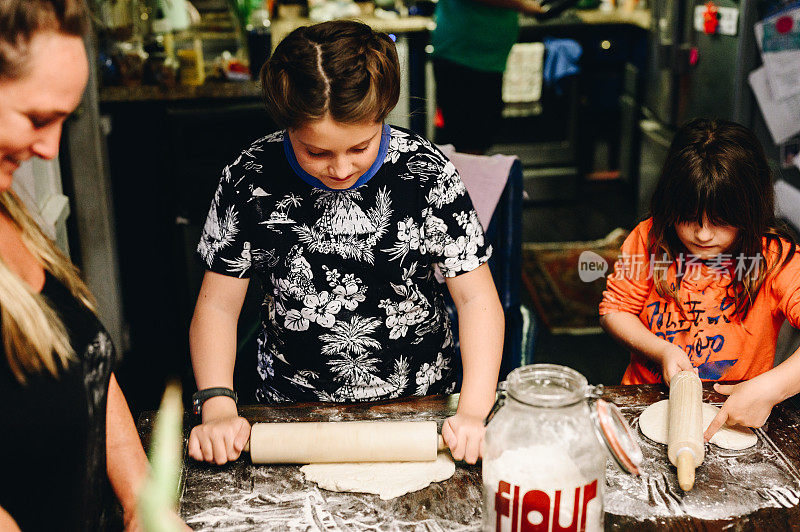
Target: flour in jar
column 536, row 485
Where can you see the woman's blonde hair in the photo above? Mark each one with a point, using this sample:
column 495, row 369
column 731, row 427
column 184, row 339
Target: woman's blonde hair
column 20, row 20
column 34, row 336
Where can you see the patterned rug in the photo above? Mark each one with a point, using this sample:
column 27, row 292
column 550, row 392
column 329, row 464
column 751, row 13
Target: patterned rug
column 565, row 303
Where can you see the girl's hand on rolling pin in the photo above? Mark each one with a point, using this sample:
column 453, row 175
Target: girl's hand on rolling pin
column 673, row 360
column 749, row 404
column 222, row 435
column 463, row 433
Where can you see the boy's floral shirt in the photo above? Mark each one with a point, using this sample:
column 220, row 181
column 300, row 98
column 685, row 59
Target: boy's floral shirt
column 351, row 309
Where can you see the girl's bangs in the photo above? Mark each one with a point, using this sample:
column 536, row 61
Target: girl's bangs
column 719, row 202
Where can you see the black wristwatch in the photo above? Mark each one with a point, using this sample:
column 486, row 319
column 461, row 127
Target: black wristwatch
column 201, row 396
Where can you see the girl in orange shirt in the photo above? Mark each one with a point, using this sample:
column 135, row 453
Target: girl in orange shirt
column 706, row 283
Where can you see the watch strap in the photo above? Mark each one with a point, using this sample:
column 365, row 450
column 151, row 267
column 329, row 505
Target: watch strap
column 201, row 396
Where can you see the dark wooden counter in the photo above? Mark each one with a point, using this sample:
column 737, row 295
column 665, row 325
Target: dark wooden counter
column 210, row 90
column 570, row 21
column 783, row 428
column 267, row 497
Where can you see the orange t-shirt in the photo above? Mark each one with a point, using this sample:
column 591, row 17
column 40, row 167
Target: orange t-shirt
column 720, row 346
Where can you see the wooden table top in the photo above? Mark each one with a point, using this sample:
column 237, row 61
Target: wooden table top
column 241, row 496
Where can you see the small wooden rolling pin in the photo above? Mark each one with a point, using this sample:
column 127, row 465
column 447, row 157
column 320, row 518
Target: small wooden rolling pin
column 344, row 441
column 685, row 434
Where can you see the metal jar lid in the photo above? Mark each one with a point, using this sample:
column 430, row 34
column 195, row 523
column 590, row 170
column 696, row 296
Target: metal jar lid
column 615, row 434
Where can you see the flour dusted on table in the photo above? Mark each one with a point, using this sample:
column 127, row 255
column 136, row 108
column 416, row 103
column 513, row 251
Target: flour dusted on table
column 540, row 486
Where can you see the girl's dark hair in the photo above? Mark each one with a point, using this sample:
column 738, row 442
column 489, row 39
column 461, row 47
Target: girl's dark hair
column 21, row 19
column 341, row 68
column 717, row 169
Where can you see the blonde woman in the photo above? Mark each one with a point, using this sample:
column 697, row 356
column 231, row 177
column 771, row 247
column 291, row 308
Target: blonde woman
column 68, row 435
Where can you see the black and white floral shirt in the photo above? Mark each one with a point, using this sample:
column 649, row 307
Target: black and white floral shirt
column 352, row 310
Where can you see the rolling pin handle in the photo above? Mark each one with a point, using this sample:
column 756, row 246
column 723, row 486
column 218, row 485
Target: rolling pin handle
column 686, row 467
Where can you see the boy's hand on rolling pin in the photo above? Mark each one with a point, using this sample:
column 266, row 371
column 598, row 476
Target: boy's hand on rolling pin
column 749, row 404
column 222, row 435
column 673, row 360
column 220, row 440
column 463, row 433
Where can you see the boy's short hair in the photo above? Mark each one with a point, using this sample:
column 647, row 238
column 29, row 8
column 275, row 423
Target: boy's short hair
column 340, row 68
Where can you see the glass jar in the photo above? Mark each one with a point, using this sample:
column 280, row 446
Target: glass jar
column 545, row 452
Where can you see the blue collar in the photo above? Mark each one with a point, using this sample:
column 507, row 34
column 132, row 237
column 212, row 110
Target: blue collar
column 366, row 176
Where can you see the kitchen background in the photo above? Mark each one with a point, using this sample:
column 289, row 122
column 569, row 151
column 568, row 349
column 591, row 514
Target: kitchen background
column 171, row 101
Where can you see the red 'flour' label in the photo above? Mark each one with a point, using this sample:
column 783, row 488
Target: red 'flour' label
column 520, row 510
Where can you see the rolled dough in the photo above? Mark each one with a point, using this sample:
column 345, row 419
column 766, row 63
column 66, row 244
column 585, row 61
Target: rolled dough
column 654, row 422
column 386, row 479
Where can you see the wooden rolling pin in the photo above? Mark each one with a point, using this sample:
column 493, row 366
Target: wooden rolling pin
column 685, row 434
column 344, row 441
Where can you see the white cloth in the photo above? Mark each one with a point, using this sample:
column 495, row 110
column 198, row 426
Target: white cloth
column 484, row 176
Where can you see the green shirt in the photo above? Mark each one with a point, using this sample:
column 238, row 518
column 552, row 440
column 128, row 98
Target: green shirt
column 474, row 34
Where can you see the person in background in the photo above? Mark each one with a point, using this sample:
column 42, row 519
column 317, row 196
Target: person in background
column 471, row 44
column 68, row 435
column 706, row 282
column 342, row 219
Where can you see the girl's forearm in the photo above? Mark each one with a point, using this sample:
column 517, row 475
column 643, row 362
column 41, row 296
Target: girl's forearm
column 786, row 377
column 126, row 462
column 629, row 330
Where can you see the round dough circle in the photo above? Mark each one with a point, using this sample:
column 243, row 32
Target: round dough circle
column 386, row 479
column 654, row 422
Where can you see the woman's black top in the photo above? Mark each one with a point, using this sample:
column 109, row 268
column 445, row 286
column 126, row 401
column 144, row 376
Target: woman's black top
column 53, row 429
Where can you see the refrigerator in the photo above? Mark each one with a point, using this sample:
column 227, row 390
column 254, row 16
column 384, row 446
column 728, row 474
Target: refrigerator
column 689, row 74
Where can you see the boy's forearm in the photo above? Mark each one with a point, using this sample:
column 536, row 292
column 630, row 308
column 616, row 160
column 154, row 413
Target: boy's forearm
column 481, row 331
column 628, row 329
column 212, row 333
column 212, row 341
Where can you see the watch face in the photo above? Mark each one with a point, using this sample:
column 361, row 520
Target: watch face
column 196, row 403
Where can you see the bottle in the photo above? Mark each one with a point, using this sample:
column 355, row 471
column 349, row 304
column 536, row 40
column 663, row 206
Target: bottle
column 259, row 40
column 192, row 66
column 161, row 67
